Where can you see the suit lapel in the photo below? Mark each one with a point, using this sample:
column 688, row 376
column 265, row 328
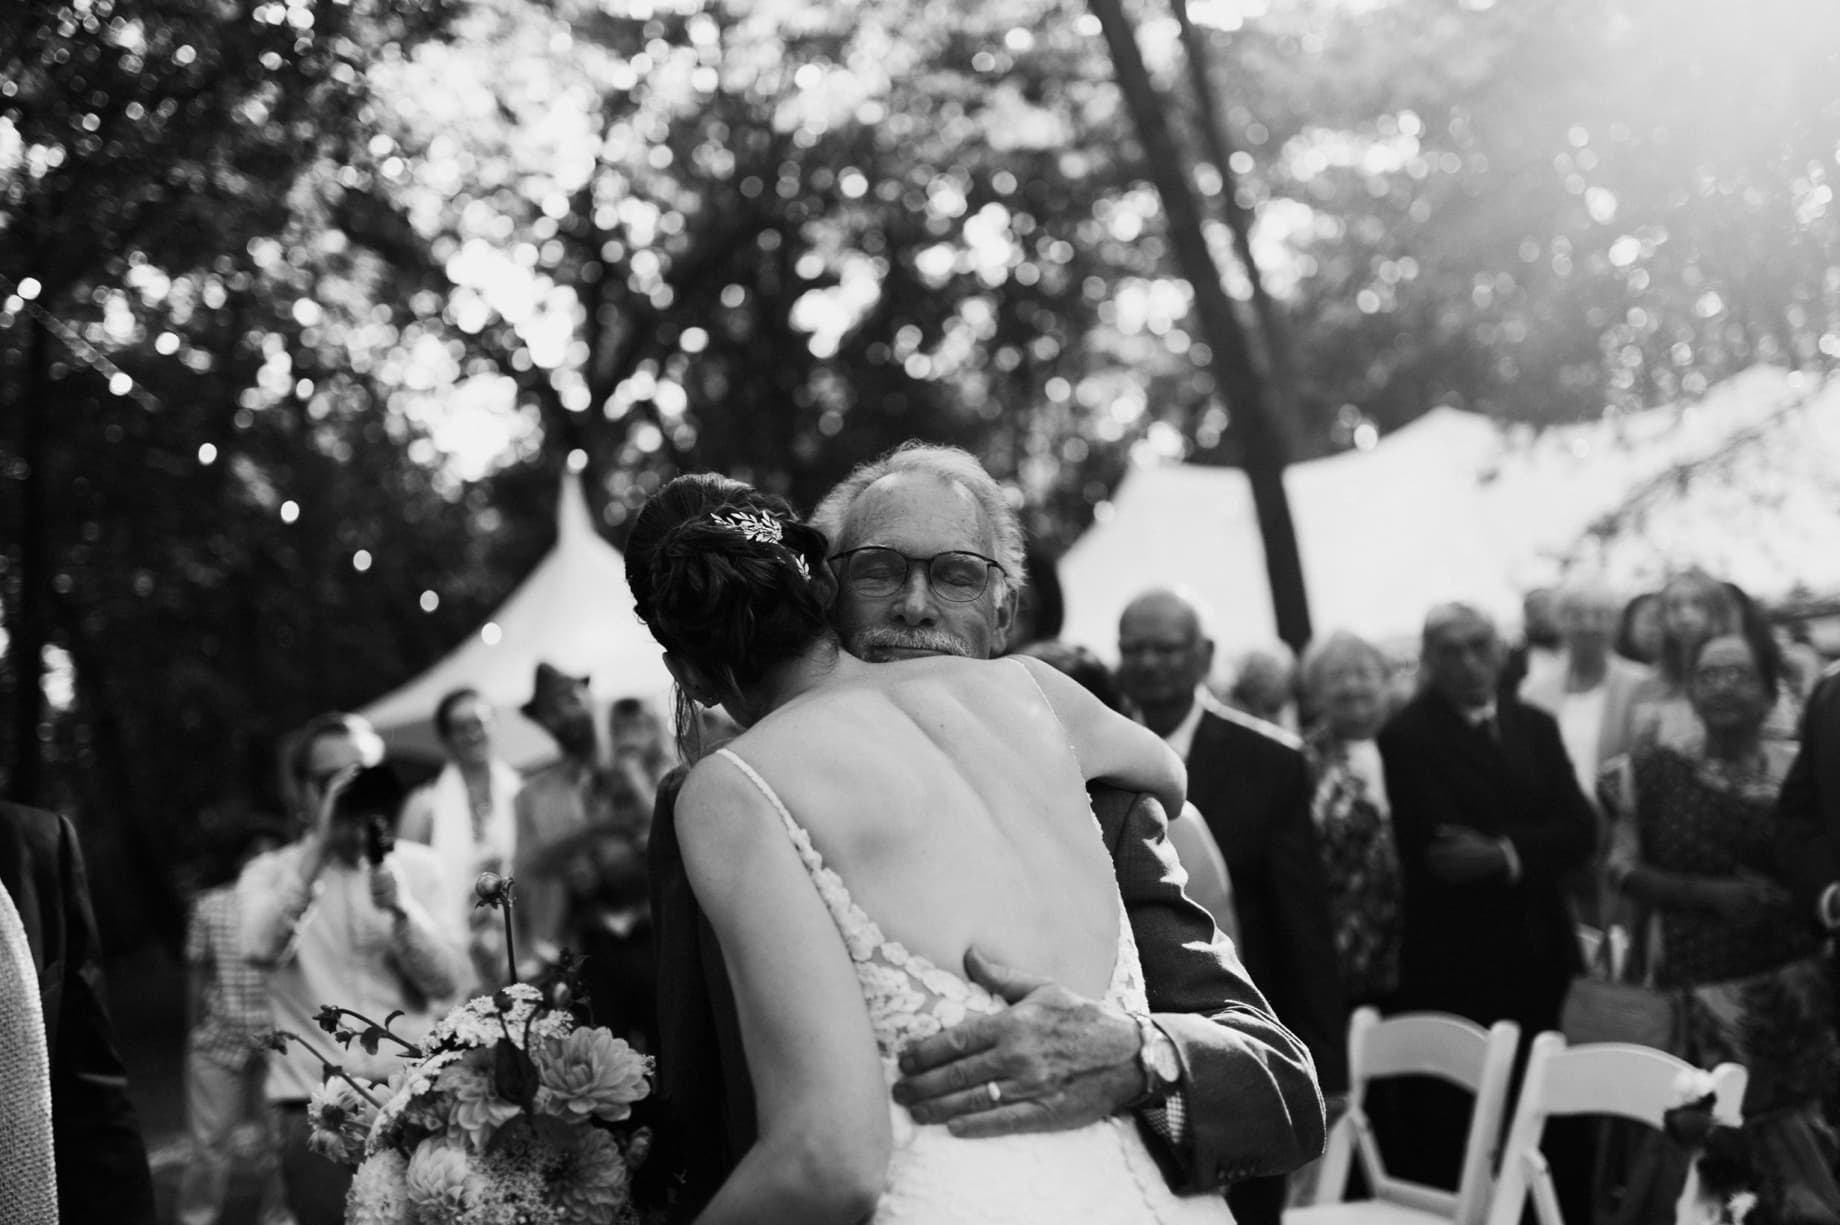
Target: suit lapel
column 1470, row 748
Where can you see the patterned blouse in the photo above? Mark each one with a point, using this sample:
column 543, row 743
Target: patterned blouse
column 1691, row 819
column 1354, row 831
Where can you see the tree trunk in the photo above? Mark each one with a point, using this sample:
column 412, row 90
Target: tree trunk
column 1280, row 372
column 33, row 630
column 1264, row 451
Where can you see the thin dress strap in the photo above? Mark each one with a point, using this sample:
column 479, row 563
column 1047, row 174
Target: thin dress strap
column 862, row 933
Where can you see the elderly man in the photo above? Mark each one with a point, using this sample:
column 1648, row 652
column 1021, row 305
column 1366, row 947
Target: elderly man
column 336, row 918
column 1490, row 819
column 1249, row 781
column 1223, row 1090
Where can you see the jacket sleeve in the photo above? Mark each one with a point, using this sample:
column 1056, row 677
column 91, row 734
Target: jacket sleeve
column 1805, row 851
column 1420, row 804
column 1563, row 835
column 101, row 1160
column 1309, row 996
column 1252, row 1102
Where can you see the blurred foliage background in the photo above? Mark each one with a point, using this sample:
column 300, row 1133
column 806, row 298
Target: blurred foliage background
column 304, row 304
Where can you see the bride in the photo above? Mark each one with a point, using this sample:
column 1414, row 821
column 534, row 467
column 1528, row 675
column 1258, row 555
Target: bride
column 871, row 824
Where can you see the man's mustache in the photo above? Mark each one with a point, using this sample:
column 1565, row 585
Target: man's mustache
column 865, row 643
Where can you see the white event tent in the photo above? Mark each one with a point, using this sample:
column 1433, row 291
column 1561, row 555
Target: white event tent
column 573, row 611
column 1455, row 506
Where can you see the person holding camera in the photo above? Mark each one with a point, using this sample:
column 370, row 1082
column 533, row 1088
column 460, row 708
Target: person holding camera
column 340, row 916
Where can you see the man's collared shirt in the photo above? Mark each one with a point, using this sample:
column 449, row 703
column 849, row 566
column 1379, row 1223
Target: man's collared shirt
column 327, row 943
column 1182, row 737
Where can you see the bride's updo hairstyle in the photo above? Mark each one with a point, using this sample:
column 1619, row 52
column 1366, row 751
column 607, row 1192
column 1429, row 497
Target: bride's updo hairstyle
column 726, row 577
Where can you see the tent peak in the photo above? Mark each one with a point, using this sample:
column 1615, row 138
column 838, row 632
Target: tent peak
column 573, row 520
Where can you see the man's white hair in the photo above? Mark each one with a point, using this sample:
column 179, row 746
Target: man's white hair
column 1443, row 616
column 949, row 464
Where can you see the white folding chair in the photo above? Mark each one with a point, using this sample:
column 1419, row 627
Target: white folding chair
column 1597, row 1078
column 1414, row 1044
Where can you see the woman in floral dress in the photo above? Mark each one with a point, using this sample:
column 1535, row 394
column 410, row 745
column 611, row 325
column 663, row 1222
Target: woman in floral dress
column 1345, row 680
column 1692, row 845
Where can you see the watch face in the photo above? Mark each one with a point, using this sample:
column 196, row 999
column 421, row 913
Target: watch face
column 1167, row 1065
column 1164, row 1059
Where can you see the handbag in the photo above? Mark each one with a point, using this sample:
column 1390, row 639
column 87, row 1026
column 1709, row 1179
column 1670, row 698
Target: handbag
column 1612, row 1000
column 1600, row 1009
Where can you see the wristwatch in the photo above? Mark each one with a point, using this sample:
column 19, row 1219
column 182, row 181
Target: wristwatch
column 1160, row 1062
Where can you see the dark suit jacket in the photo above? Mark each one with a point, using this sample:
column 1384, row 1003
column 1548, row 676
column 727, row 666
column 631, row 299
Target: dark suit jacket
column 1494, row 948
column 1253, row 1104
column 101, row 1162
column 1249, row 781
column 1808, row 811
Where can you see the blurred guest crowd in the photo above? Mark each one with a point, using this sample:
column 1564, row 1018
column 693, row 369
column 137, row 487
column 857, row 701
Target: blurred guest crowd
column 1460, row 823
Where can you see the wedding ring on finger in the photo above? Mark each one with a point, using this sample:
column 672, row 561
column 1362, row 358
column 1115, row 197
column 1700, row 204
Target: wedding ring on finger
column 995, row 1093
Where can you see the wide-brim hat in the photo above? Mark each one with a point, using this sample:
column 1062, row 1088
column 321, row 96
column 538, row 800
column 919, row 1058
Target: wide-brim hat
column 550, row 682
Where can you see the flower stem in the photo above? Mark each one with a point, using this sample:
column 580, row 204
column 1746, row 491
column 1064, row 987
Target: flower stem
column 510, row 937
column 384, row 1030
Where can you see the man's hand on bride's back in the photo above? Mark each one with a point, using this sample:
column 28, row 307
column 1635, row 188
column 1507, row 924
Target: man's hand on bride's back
column 1058, row 1061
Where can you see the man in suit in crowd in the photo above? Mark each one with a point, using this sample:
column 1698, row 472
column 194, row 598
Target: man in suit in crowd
column 1490, row 819
column 1808, row 810
column 1249, row 781
column 1221, row 1089
column 92, row 1167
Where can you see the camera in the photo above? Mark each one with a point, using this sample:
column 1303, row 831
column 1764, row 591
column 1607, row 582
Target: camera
column 374, row 797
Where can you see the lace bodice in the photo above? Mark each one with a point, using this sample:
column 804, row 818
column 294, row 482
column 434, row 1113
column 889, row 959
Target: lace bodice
column 1099, row 1173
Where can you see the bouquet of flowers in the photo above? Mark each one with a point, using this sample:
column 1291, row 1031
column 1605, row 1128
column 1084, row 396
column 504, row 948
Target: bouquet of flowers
column 505, row 1113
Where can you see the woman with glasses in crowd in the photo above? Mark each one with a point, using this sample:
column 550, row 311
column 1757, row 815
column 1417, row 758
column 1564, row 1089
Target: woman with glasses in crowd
column 1692, row 848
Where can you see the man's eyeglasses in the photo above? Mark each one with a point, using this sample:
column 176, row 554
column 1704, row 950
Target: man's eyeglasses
column 1727, row 674
column 874, row 571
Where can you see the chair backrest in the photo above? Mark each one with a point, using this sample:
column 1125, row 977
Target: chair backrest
column 1437, row 1044
column 1598, row 1078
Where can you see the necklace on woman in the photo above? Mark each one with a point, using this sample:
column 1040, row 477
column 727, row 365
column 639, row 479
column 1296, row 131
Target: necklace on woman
column 1741, row 773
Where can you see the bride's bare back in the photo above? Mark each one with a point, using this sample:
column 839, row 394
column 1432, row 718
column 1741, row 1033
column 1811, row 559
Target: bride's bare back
column 948, row 796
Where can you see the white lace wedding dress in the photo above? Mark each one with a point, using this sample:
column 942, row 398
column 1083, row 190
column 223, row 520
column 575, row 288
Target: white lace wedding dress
column 1102, row 1173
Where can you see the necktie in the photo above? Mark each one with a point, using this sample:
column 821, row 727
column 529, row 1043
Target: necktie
column 28, row 1175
